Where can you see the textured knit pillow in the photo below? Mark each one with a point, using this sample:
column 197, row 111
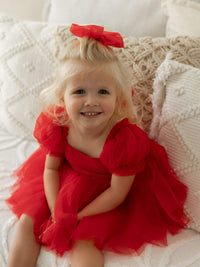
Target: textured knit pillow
column 27, row 66
column 144, row 56
column 176, row 125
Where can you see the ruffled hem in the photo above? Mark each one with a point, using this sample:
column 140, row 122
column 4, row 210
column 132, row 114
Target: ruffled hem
column 57, row 236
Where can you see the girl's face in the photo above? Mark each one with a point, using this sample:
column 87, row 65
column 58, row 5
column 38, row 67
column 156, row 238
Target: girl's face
column 90, row 97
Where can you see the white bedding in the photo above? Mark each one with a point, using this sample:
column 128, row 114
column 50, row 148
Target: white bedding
column 183, row 249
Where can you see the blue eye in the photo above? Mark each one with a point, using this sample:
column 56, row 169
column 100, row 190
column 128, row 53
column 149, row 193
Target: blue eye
column 103, row 92
column 79, row 92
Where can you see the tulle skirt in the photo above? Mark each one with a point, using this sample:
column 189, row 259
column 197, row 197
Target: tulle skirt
column 153, row 207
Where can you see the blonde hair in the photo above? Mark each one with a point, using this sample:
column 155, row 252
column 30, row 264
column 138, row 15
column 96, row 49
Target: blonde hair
column 91, row 51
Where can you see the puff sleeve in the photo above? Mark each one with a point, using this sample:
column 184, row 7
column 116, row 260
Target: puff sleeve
column 49, row 135
column 126, row 149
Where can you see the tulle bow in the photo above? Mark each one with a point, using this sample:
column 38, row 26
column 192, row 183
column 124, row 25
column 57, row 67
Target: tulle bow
column 98, row 33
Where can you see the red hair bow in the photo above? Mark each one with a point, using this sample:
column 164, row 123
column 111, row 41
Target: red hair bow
column 98, row 33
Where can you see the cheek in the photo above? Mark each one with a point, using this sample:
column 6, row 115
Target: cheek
column 111, row 106
column 72, row 106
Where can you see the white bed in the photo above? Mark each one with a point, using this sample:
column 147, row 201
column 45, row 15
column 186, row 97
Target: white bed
column 27, row 65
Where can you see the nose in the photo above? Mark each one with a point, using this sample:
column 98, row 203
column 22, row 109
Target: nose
column 91, row 100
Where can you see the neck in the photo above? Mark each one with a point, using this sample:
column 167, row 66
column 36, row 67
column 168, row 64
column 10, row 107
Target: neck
column 91, row 134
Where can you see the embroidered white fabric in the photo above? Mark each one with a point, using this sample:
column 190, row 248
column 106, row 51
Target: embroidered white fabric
column 176, row 125
column 183, row 249
column 26, row 67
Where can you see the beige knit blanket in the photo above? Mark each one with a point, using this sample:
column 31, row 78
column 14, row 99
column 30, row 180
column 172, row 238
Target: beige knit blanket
column 144, row 55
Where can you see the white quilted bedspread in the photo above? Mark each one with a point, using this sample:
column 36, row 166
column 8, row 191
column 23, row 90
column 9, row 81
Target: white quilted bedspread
column 183, row 249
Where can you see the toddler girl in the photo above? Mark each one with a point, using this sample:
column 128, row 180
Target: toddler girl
column 97, row 182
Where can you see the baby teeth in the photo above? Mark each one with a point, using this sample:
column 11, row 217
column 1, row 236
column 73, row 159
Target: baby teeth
column 91, row 113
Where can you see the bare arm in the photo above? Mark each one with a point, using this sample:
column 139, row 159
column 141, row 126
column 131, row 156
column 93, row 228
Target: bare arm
column 51, row 180
column 110, row 198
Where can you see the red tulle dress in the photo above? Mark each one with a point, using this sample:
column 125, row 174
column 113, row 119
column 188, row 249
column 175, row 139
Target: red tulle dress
column 153, row 207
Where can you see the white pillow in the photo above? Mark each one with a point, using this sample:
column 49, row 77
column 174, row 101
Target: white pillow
column 23, row 9
column 129, row 17
column 183, row 17
column 176, row 125
column 26, row 67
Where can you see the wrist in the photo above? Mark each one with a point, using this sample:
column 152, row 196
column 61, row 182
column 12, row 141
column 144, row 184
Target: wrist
column 51, row 209
column 79, row 216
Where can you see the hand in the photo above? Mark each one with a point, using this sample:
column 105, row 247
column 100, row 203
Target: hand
column 53, row 216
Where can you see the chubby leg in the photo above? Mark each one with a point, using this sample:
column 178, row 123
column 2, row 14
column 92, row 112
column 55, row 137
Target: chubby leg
column 24, row 250
column 85, row 254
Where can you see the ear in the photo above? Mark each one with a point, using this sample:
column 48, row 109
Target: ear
column 62, row 102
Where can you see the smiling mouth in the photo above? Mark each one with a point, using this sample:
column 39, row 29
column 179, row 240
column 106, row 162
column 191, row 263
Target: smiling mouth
column 90, row 114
